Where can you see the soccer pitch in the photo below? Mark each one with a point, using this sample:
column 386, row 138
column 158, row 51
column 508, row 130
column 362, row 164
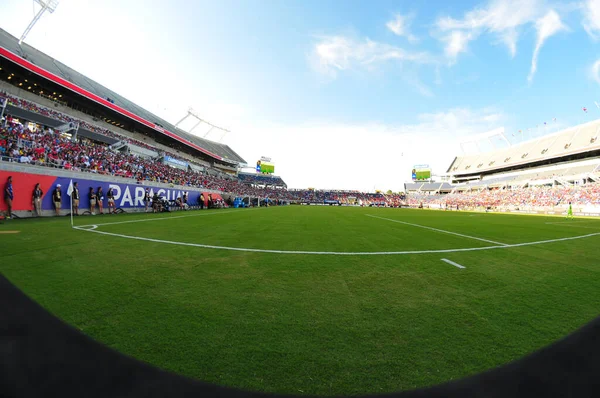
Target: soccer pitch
column 313, row 300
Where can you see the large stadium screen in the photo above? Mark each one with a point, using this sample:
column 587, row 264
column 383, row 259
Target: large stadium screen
column 267, row 168
column 264, row 167
column 421, row 172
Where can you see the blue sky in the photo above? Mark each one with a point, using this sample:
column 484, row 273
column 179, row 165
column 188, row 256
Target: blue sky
column 345, row 94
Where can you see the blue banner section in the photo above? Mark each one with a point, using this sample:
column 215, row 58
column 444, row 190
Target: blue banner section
column 126, row 195
column 176, row 162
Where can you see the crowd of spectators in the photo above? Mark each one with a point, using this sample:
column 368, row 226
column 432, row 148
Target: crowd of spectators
column 348, row 197
column 260, row 179
column 48, row 147
column 56, row 115
column 51, row 148
column 529, row 197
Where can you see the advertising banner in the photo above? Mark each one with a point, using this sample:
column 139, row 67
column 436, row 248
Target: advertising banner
column 126, row 195
column 176, row 162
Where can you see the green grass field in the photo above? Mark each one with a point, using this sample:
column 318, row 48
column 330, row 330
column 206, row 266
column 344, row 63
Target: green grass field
column 311, row 323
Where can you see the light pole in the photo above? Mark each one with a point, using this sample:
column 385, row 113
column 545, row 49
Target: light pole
column 47, row 5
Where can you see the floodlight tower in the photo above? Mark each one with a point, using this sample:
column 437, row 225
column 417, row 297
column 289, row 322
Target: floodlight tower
column 47, row 5
column 192, row 113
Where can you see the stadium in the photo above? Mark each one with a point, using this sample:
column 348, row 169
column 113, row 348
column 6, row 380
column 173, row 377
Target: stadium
column 172, row 249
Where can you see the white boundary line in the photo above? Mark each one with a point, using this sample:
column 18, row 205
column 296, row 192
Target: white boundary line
column 452, row 263
column 161, row 218
column 438, row 230
column 243, row 249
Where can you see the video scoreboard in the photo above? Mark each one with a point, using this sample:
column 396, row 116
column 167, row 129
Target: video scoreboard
column 265, row 166
column 421, row 172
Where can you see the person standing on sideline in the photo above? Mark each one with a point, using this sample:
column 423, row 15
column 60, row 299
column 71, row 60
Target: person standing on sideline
column 146, row 199
column 8, row 196
column 570, row 211
column 201, row 201
column 111, row 201
column 100, row 198
column 75, row 195
column 92, row 197
column 57, row 199
column 36, row 199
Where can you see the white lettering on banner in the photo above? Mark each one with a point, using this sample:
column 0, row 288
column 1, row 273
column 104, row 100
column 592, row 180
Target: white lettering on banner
column 116, row 191
column 127, row 198
column 178, row 162
column 161, row 192
column 139, row 196
column 151, row 193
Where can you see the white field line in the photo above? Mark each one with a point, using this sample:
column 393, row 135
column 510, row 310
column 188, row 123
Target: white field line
column 453, row 263
column 439, row 230
column 163, row 218
column 243, row 249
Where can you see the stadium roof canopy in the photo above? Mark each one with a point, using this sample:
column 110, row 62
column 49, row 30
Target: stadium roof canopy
column 48, row 68
column 578, row 142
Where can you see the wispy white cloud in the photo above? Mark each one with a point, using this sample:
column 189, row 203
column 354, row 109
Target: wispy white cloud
column 332, row 54
column 502, row 18
column 595, row 71
column 457, row 42
column 591, row 18
column 400, row 26
column 547, row 26
column 412, row 80
column 505, row 19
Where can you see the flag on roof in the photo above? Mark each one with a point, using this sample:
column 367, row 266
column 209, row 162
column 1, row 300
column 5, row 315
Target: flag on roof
column 584, row 109
column 545, row 123
column 553, row 119
column 597, row 104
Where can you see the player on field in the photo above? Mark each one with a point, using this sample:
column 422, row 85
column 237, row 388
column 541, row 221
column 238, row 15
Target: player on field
column 570, row 211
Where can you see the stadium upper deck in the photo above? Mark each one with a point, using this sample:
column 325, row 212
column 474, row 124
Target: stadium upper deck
column 29, row 68
column 572, row 144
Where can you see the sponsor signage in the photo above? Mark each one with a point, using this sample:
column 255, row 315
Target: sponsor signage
column 126, row 195
column 176, row 162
